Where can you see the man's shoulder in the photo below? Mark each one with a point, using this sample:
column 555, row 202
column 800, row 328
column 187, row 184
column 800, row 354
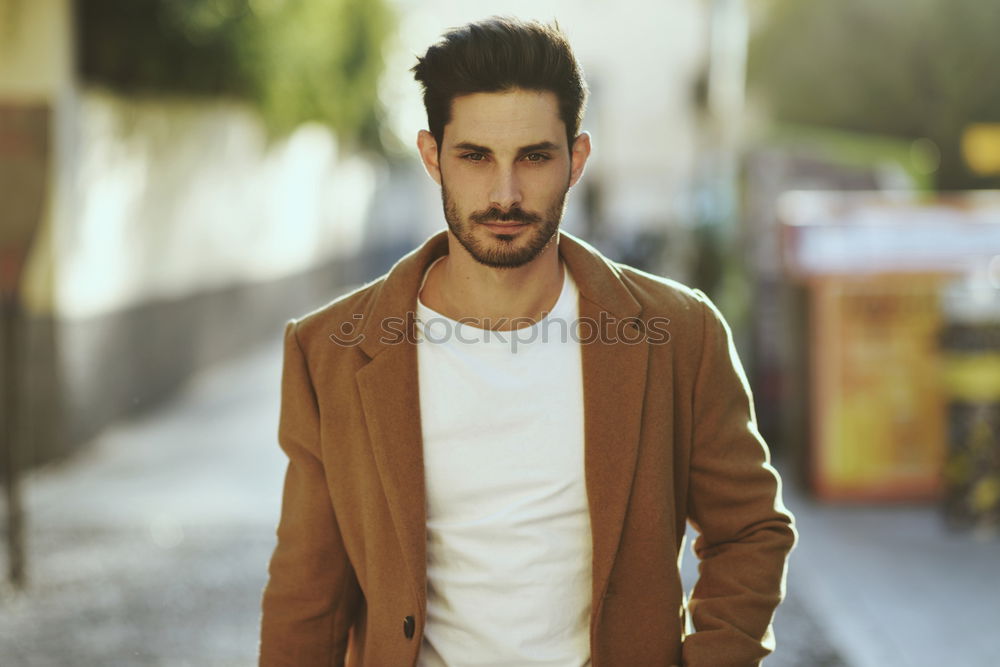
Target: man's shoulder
column 352, row 310
column 344, row 312
column 659, row 295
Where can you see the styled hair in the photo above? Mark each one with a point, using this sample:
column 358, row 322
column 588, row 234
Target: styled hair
column 496, row 55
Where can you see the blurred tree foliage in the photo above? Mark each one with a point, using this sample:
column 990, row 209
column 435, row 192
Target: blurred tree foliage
column 295, row 60
column 907, row 68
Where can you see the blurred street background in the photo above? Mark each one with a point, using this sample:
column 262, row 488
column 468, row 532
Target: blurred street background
column 180, row 177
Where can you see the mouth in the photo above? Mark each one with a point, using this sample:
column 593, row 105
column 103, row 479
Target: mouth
column 504, row 226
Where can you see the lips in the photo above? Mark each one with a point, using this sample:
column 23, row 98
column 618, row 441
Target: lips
column 505, row 225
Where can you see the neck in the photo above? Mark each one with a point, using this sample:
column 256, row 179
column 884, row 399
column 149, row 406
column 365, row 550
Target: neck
column 461, row 288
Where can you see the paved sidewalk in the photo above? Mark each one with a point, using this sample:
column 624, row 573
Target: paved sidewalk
column 893, row 587
column 151, row 547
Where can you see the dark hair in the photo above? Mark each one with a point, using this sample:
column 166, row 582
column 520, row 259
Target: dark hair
column 499, row 54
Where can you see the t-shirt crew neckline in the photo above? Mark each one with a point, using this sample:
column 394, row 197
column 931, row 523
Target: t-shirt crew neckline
column 434, row 327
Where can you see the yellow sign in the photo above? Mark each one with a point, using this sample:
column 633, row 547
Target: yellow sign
column 879, row 422
column 972, row 376
column 981, row 148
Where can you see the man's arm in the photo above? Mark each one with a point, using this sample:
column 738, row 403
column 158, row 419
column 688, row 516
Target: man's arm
column 734, row 502
column 312, row 594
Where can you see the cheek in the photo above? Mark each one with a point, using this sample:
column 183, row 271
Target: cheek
column 470, row 191
column 545, row 186
column 461, row 197
column 466, row 181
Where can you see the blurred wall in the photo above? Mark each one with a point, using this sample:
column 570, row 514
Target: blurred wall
column 175, row 197
column 174, row 234
column 187, row 238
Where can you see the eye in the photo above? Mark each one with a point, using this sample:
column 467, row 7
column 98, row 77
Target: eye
column 537, row 157
column 473, row 157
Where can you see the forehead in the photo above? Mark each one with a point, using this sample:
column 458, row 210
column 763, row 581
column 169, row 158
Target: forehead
column 510, row 118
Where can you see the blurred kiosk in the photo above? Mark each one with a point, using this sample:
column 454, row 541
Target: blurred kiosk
column 875, row 267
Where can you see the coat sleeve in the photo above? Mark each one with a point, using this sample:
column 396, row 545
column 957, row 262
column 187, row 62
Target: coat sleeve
column 312, row 594
column 734, row 502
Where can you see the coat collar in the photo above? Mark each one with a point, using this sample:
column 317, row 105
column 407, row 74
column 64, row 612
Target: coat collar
column 614, row 376
column 597, row 279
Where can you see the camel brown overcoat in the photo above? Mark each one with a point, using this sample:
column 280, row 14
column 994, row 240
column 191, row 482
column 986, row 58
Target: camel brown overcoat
column 670, row 437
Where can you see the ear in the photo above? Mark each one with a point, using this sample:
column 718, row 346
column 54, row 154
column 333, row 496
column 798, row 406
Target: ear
column 578, row 155
column 428, row 148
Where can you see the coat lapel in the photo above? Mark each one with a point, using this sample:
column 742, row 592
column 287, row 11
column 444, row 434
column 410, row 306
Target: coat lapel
column 614, row 385
column 392, row 411
column 389, row 391
column 614, row 377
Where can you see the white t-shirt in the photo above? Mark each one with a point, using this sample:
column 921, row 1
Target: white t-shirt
column 509, row 547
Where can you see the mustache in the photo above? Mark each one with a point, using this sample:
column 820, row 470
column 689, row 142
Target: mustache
column 513, row 215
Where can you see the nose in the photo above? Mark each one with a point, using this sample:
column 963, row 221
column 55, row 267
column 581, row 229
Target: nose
column 506, row 191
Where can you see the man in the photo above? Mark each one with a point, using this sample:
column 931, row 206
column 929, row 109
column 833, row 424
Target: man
column 494, row 449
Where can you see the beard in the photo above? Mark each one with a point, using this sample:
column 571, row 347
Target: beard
column 504, row 251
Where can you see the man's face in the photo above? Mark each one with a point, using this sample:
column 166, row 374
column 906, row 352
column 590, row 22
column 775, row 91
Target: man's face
column 504, row 169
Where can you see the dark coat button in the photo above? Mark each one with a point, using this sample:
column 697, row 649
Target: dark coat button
column 408, row 626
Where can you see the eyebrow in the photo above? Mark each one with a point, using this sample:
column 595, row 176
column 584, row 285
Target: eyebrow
column 540, row 146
